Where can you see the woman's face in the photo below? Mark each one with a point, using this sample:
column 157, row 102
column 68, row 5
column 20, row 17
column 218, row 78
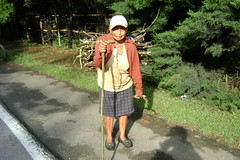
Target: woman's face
column 118, row 33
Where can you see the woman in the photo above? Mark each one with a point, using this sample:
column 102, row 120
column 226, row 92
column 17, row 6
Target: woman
column 122, row 70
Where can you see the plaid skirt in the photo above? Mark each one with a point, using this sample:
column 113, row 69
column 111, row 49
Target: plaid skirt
column 117, row 104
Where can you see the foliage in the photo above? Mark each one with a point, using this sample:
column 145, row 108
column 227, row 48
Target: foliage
column 227, row 100
column 142, row 12
column 5, row 10
column 197, row 53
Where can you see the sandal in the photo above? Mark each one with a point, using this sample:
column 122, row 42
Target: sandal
column 110, row 145
column 127, row 142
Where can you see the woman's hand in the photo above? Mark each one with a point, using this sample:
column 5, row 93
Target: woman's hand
column 103, row 46
column 139, row 96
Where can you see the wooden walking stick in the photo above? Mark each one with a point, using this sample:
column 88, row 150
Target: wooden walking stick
column 102, row 100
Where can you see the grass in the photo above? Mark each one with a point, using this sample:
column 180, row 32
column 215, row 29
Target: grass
column 185, row 112
column 193, row 114
column 59, row 71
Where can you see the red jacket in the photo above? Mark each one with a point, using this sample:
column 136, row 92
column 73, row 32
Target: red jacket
column 133, row 60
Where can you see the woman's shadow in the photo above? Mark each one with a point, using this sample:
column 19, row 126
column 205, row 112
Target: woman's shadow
column 177, row 146
column 137, row 114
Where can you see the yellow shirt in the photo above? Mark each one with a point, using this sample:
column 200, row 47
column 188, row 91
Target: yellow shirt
column 116, row 72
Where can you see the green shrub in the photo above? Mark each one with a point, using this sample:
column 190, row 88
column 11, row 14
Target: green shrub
column 193, row 58
column 228, row 100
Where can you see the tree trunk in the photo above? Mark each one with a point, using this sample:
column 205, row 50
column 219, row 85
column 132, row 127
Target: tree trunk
column 58, row 32
column 69, row 34
column 49, row 33
column 41, row 30
column 106, row 22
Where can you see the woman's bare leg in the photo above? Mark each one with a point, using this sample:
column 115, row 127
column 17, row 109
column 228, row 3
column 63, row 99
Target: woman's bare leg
column 122, row 127
column 108, row 121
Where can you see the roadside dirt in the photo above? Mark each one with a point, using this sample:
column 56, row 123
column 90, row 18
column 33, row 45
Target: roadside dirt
column 49, row 54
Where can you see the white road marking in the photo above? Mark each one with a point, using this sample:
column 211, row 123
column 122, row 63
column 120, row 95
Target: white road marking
column 32, row 146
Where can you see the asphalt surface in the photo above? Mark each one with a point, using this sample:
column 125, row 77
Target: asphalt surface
column 10, row 146
column 65, row 124
column 16, row 142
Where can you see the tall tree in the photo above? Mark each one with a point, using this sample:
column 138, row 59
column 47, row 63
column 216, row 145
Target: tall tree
column 141, row 13
column 193, row 57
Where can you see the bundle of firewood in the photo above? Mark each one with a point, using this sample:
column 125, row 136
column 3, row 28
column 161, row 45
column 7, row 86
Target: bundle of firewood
column 85, row 52
column 85, row 49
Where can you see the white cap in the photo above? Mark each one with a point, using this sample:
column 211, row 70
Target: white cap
column 118, row 20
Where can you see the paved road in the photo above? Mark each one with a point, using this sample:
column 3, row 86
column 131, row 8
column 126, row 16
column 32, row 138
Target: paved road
column 16, row 142
column 65, row 121
column 10, row 147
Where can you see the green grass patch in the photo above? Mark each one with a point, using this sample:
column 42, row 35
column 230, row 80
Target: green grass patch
column 24, row 59
column 186, row 112
column 193, row 114
column 61, row 72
